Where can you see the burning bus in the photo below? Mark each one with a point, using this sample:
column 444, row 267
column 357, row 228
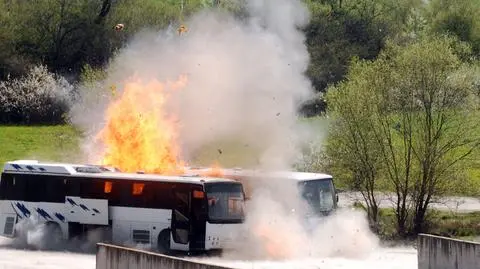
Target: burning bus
column 183, row 213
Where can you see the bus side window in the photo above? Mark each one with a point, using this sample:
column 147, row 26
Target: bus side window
column 6, row 187
column 54, row 189
column 19, row 188
column 163, row 195
column 137, row 192
column 72, row 187
column 121, row 194
column 92, row 188
column 137, row 189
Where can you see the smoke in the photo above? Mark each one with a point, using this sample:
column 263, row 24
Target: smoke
column 245, row 82
column 36, row 235
column 276, row 229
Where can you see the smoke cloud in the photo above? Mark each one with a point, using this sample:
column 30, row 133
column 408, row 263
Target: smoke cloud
column 36, row 235
column 245, row 82
column 276, row 229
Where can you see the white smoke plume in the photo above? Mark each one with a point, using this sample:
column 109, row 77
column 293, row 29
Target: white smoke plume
column 277, row 230
column 245, row 79
column 30, row 233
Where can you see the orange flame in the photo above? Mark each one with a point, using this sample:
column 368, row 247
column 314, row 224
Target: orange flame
column 138, row 134
column 214, row 171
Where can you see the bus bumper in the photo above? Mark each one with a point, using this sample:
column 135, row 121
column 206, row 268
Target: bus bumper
column 221, row 236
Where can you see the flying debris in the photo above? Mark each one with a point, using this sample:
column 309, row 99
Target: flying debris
column 113, row 89
column 182, row 29
column 119, row 27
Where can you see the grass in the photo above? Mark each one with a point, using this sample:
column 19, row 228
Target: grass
column 443, row 223
column 48, row 143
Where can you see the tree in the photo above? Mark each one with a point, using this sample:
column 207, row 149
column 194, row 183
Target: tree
column 421, row 120
column 350, row 142
column 56, row 32
column 342, row 29
column 458, row 18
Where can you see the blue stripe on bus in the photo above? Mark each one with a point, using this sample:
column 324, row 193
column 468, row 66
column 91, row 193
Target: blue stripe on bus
column 23, row 209
column 16, row 166
column 71, row 201
column 44, row 214
column 60, row 217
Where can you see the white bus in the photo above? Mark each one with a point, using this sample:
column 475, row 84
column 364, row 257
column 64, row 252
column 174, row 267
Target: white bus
column 317, row 189
column 187, row 213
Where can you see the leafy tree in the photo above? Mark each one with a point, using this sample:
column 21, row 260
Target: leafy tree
column 55, row 32
column 458, row 18
column 349, row 143
column 342, row 29
column 415, row 106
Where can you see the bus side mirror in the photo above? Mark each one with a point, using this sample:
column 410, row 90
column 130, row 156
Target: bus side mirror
column 336, row 197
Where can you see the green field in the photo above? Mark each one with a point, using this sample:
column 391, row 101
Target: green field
column 47, row 143
column 443, row 223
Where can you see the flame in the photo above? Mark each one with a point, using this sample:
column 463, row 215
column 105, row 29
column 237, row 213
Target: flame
column 138, row 134
column 278, row 240
column 214, row 171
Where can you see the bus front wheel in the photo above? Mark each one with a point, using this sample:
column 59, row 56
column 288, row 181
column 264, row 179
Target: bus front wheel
column 163, row 243
column 53, row 236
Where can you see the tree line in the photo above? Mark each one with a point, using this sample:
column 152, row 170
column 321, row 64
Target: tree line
column 66, row 36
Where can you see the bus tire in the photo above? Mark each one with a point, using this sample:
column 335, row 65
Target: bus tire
column 53, row 236
column 163, row 242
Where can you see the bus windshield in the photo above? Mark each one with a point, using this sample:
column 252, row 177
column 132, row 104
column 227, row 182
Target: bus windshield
column 225, row 202
column 319, row 194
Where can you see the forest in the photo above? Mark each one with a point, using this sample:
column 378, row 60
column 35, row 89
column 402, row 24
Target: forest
column 69, row 37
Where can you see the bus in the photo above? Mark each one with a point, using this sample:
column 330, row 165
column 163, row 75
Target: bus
column 316, row 189
column 165, row 213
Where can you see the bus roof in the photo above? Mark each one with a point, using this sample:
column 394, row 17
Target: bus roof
column 96, row 171
column 300, row 176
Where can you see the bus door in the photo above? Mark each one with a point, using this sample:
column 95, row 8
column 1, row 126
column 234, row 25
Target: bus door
column 199, row 214
column 180, row 219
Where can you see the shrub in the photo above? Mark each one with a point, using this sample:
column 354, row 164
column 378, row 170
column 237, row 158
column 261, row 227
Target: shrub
column 39, row 97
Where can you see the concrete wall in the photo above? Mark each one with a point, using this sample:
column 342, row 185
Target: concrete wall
column 436, row 252
column 116, row 257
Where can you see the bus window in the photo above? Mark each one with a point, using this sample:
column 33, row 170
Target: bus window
column 225, row 202
column 54, row 189
column 319, row 194
column 36, row 188
column 137, row 188
column 72, row 187
column 107, row 187
column 92, row 188
column 6, row 187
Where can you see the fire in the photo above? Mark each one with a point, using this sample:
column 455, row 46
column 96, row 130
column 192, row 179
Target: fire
column 214, row 171
column 138, row 134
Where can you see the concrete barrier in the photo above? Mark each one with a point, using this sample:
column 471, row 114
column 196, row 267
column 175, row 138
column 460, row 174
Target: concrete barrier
column 436, row 252
column 116, row 257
